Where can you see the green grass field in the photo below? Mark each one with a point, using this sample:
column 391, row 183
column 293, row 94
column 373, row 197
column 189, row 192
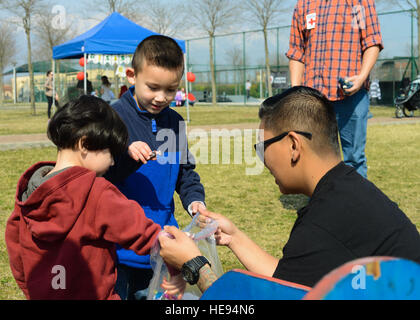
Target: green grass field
column 267, row 216
column 19, row 120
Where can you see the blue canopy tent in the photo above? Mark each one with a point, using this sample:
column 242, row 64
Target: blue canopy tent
column 116, row 35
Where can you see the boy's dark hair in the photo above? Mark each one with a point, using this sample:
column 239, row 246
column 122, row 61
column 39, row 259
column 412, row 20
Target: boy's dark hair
column 160, row 51
column 303, row 109
column 48, row 72
column 92, row 120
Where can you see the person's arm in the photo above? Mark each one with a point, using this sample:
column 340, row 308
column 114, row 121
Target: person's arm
column 296, row 69
column 296, row 52
column 122, row 221
column 188, row 185
column 138, row 153
column 369, row 59
column 371, row 44
column 252, row 256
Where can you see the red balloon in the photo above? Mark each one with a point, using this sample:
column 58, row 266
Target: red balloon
column 190, row 76
column 191, row 97
column 81, row 76
column 82, row 61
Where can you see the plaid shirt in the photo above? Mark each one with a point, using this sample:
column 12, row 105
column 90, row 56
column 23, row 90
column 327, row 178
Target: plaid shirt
column 329, row 37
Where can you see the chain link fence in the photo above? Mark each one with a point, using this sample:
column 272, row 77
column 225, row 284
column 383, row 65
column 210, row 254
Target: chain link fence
column 240, row 57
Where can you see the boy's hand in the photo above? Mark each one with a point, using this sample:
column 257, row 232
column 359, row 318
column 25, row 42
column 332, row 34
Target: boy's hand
column 178, row 250
column 175, row 287
column 195, row 207
column 140, row 151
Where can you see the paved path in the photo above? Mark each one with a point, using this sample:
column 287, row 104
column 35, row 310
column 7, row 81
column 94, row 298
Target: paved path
column 12, row 142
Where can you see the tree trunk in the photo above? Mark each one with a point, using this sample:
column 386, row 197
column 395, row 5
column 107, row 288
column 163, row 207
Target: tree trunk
column 267, row 63
column 213, row 74
column 30, row 69
column 1, row 86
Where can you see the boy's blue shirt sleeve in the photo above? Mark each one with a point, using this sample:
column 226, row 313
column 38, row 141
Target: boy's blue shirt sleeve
column 124, row 167
column 188, row 184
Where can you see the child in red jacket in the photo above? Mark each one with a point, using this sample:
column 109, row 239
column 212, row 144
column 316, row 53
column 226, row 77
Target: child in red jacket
column 67, row 219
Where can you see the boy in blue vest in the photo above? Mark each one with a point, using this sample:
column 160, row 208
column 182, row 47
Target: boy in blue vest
column 156, row 133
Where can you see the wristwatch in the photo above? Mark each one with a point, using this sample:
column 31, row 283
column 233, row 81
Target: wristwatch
column 191, row 269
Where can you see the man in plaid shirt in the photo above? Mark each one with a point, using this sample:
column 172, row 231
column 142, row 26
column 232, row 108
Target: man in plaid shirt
column 337, row 39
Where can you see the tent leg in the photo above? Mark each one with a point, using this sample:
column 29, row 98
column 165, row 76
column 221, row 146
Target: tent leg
column 85, row 79
column 53, row 83
column 186, row 88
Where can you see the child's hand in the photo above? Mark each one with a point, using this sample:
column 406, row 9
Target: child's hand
column 140, row 151
column 175, row 287
column 196, row 206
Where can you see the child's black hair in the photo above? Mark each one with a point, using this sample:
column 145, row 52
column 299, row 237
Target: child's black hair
column 92, row 120
column 160, row 51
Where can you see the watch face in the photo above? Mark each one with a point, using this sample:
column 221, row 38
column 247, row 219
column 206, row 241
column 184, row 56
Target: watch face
column 188, row 275
column 190, row 270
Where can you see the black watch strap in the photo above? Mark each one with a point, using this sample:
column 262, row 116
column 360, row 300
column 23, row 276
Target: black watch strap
column 191, row 269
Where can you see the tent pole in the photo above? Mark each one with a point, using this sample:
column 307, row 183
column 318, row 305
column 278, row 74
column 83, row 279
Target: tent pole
column 84, row 70
column 186, row 88
column 53, row 81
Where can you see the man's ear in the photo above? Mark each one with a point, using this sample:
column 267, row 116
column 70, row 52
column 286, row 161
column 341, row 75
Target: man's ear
column 295, row 146
column 131, row 76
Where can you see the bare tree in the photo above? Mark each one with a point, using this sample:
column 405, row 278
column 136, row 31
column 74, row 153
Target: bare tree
column 128, row 8
column 24, row 10
column 48, row 35
column 7, row 51
column 165, row 18
column 236, row 59
column 265, row 12
column 212, row 16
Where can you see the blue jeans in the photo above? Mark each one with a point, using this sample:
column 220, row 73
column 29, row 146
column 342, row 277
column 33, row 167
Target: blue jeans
column 352, row 115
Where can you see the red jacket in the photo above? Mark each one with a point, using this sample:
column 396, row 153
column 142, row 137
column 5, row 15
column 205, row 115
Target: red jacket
column 61, row 240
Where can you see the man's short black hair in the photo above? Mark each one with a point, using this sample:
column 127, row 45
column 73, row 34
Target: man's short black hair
column 92, row 120
column 159, row 51
column 303, row 109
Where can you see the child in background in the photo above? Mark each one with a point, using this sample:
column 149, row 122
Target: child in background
column 178, row 98
column 157, row 69
column 62, row 233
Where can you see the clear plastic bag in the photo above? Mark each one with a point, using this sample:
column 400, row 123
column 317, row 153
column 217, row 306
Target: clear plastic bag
column 203, row 235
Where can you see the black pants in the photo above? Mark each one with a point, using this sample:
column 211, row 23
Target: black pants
column 132, row 283
column 50, row 102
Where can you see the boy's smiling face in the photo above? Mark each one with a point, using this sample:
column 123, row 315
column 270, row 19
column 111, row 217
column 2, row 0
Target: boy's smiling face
column 155, row 87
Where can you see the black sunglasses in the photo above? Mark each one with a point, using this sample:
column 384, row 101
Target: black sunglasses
column 261, row 146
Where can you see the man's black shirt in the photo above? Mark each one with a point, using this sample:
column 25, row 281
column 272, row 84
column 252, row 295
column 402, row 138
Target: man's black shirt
column 347, row 218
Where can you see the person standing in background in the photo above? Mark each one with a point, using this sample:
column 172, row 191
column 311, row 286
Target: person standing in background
column 49, row 93
column 336, row 39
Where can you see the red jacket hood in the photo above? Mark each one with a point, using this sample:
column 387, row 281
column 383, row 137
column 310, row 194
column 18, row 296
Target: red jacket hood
column 40, row 210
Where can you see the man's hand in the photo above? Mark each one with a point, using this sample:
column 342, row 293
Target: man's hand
column 179, row 250
column 226, row 229
column 357, row 81
column 140, row 151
